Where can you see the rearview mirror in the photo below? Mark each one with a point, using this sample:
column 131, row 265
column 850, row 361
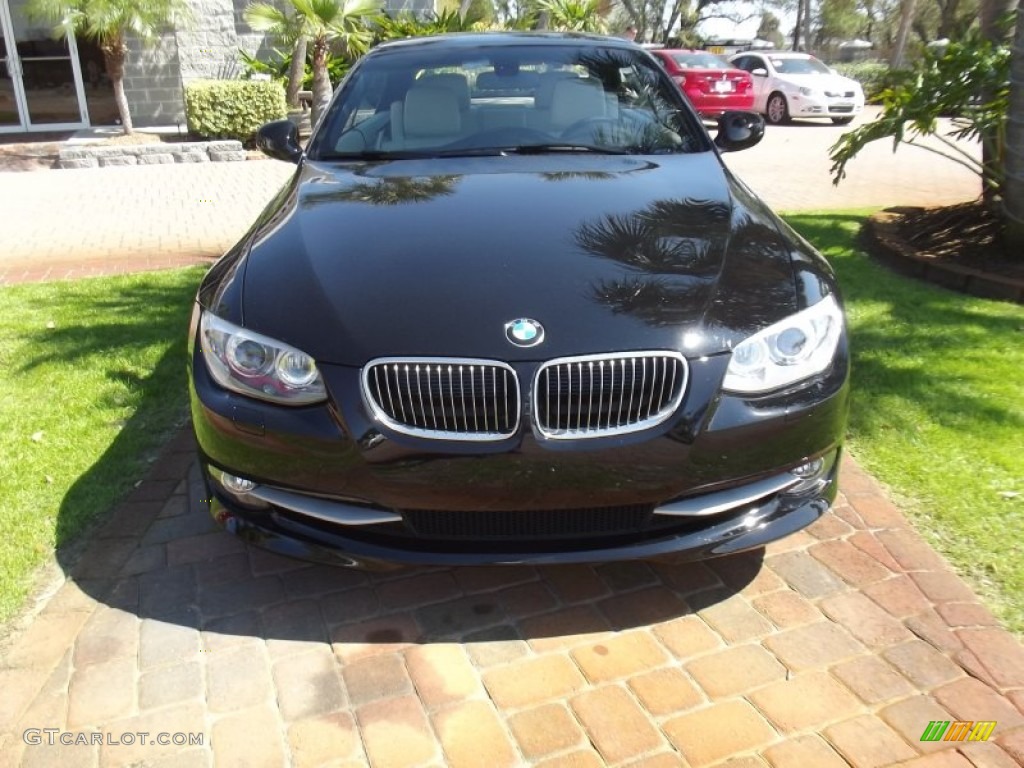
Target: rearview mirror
column 280, row 140
column 739, row 130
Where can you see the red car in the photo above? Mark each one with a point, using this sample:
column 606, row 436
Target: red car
column 711, row 83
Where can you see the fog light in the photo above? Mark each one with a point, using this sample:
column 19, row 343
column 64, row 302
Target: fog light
column 236, row 484
column 812, row 475
column 809, row 470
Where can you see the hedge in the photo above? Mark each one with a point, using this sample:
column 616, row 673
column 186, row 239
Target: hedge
column 232, row 109
column 874, row 77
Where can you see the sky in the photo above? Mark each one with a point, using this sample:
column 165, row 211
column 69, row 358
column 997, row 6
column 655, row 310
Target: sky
column 724, row 28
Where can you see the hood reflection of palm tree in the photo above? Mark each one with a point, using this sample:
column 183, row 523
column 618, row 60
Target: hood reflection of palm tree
column 676, row 242
column 390, row 191
column 659, row 302
column 571, row 175
column 668, row 236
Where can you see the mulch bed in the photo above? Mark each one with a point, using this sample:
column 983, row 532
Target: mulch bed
column 968, row 235
column 39, row 154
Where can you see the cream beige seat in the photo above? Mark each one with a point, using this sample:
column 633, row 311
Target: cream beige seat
column 428, row 116
column 574, row 100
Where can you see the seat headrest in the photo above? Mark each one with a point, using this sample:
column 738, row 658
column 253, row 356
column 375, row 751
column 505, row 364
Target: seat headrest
column 545, row 90
column 431, row 112
column 452, row 81
column 576, row 99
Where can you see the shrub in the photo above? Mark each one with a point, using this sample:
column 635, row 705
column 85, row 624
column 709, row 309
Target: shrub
column 874, row 76
column 280, row 62
column 232, row 109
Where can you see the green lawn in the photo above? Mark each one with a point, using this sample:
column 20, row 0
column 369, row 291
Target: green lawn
column 94, row 381
column 938, row 410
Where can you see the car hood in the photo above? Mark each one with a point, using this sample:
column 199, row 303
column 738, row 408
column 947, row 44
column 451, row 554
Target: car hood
column 433, row 257
column 822, row 82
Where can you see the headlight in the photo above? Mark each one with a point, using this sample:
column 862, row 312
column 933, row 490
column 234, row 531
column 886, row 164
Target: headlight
column 256, row 365
column 804, row 91
column 793, row 349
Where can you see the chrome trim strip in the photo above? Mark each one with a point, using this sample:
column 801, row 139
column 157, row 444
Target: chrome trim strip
column 597, row 430
column 323, row 509
column 487, row 435
column 721, row 501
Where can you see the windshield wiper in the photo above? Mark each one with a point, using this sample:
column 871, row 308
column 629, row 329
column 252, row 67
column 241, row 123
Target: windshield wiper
column 527, row 149
column 541, row 149
column 377, row 154
column 522, row 149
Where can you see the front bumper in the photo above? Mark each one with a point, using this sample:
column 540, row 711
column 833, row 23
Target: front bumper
column 753, row 516
column 820, row 105
column 334, row 486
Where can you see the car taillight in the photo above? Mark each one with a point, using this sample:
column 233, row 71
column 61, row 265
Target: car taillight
column 703, row 82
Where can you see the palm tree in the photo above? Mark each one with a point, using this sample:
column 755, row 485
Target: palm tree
column 287, row 27
column 574, row 15
column 320, row 22
column 109, row 23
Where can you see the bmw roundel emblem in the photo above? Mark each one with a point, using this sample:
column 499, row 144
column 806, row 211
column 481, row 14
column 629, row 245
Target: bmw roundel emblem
column 524, row 332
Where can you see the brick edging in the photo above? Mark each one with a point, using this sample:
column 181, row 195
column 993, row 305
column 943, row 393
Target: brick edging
column 881, row 234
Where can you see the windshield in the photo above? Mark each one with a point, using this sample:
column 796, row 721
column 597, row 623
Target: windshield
column 497, row 98
column 700, row 61
column 801, row 66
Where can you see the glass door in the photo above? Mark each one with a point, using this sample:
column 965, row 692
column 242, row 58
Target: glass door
column 10, row 103
column 40, row 77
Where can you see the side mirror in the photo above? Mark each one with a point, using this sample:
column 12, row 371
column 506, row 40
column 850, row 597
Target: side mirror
column 759, row 72
column 739, row 130
column 280, row 140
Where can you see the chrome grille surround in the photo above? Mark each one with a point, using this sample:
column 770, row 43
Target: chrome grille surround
column 632, row 391
column 444, row 398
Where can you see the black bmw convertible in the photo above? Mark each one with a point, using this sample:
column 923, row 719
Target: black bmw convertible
column 512, row 308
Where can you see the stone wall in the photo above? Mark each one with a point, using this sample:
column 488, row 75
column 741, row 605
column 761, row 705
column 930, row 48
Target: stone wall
column 152, row 82
column 166, row 153
column 155, row 75
column 207, row 49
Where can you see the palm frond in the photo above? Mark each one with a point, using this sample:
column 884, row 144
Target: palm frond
column 265, row 17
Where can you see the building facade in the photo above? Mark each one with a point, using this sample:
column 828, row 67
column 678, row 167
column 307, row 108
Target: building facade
column 48, row 84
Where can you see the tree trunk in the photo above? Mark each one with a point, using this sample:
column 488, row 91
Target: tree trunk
column 115, row 52
column 906, row 19
column 991, row 14
column 296, row 72
column 799, row 24
column 1013, row 186
column 947, row 20
column 464, row 8
column 677, row 10
column 321, row 80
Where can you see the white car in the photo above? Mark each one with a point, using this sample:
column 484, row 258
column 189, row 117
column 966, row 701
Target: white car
column 789, row 84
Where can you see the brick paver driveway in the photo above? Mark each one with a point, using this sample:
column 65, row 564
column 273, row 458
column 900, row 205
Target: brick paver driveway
column 837, row 646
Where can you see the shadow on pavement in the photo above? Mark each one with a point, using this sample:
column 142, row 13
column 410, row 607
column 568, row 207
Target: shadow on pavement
column 161, row 557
